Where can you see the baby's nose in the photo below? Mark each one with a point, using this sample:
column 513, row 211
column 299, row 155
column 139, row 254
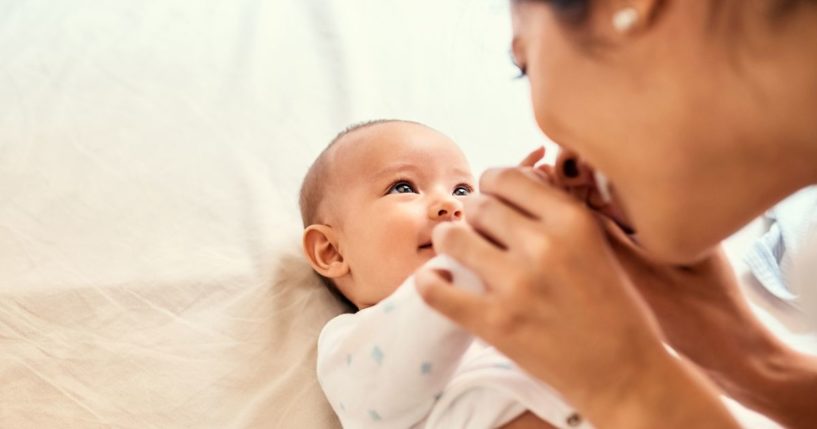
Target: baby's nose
column 448, row 209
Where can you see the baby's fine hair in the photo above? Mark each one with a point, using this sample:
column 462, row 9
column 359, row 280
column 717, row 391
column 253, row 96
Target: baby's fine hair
column 314, row 184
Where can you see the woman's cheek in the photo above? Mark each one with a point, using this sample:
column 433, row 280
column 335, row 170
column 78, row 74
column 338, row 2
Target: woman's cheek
column 549, row 109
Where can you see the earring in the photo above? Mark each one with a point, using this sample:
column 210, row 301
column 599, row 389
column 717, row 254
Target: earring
column 625, row 19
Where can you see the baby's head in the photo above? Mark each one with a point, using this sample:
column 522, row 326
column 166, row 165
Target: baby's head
column 371, row 199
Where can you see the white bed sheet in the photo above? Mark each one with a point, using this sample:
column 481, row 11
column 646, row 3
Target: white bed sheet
column 150, row 155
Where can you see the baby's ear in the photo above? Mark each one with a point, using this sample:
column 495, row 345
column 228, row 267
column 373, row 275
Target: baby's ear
column 321, row 249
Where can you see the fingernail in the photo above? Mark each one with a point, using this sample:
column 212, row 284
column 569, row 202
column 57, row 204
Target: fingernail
column 570, row 168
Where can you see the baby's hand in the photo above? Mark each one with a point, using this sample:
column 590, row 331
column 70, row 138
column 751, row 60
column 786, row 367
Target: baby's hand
column 577, row 179
column 542, row 172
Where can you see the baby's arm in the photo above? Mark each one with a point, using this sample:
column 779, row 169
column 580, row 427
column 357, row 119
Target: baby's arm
column 385, row 365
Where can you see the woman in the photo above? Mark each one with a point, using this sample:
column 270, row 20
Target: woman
column 702, row 115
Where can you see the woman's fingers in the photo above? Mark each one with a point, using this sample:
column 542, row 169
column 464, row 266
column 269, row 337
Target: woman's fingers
column 498, row 221
column 532, row 158
column 462, row 307
column 523, row 191
column 465, row 245
column 579, row 180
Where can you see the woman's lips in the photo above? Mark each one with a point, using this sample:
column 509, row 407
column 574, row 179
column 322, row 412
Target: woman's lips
column 601, row 197
column 611, row 209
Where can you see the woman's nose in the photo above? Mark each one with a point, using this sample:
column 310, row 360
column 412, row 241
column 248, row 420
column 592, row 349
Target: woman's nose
column 571, row 172
column 445, row 209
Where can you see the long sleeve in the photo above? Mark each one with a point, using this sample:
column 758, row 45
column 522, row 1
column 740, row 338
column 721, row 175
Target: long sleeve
column 386, row 365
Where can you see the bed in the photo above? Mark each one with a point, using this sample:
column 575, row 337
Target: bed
column 150, row 158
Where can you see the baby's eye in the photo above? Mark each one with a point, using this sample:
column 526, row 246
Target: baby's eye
column 462, row 190
column 402, row 187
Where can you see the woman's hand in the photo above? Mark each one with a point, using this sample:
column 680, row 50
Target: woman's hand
column 695, row 304
column 551, row 277
column 705, row 317
column 558, row 302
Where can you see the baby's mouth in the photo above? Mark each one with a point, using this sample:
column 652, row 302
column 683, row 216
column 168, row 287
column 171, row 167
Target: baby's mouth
column 426, row 246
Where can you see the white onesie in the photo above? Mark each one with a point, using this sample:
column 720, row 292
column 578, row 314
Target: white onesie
column 400, row 364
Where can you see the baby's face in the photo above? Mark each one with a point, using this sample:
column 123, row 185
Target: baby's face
column 393, row 183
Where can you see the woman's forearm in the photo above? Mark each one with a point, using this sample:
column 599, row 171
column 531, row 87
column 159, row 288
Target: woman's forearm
column 753, row 366
column 667, row 393
column 706, row 318
column 772, row 379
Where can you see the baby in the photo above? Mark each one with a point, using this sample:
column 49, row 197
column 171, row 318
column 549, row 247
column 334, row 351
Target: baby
column 369, row 204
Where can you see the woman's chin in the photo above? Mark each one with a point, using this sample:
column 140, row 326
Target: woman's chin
column 674, row 248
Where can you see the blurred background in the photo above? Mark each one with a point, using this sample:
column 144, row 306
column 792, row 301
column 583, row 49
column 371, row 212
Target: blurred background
column 150, row 158
column 159, row 108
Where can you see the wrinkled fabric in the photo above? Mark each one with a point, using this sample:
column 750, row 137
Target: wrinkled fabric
column 150, row 159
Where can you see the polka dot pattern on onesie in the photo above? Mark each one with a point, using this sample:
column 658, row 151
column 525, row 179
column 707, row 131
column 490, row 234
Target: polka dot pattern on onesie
column 377, row 355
